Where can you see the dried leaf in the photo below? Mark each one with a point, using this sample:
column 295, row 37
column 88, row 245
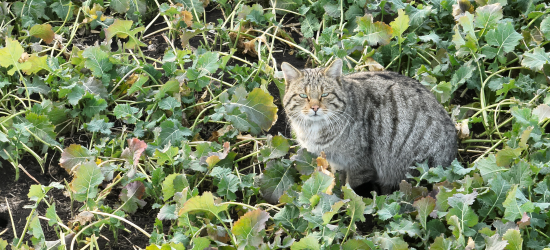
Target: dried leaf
column 463, row 129
column 134, row 150
column 525, row 221
column 187, row 18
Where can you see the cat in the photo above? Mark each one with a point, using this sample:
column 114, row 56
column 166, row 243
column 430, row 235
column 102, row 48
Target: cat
column 372, row 126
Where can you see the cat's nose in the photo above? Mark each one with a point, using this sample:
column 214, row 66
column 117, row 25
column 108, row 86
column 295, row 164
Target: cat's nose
column 315, row 108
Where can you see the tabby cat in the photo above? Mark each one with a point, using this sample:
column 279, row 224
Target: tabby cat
column 372, row 126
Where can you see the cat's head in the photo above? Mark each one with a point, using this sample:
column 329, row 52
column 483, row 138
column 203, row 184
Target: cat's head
column 313, row 94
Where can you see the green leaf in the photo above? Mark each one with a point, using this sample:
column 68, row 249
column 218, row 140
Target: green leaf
column 504, row 37
column 93, row 106
column 441, row 243
column 227, row 186
column 515, row 241
column 276, row 179
column 317, row 183
column 400, row 24
column 545, row 27
column 516, row 204
column 169, row 103
column 167, row 212
column 95, row 87
column 166, row 155
column 200, row 243
column 127, row 113
column 495, row 242
column 389, row 211
column 84, row 185
column 99, row 125
column 506, row 156
column 332, row 9
column 51, row 214
column 291, row 5
column 9, row 56
column 309, row 242
column 309, row 25
column 487, row 16
column 97, row 61
column 387, row 242
column 496, row 195
column 36, row 10
column 430, row 37
column 353, row 12
column 42, row 128
column 372, row 32
column 172, row 132
column 356, row 206
column 3, row 244
column 137, row 7
column 488, row 167
column 42, row 31
column 35, row 229
column 73, row 156
column 353, row 244
column 277, row 146
column 424, row 206
column 249, row 230
column 193, row 5
column 120, row 6
column 412, row 229
column 131, row 196
column 123, row 29
column 173, row 183
column 460, row 204
column 290, row 218
column 467, row 23
column 63, row 9
column 207, row 63
column 204, row 203
column 258, row 106
column 37, row 64
column 536, row 60
column 418, row 15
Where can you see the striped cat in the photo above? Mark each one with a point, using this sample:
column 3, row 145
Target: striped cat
column 372, row 126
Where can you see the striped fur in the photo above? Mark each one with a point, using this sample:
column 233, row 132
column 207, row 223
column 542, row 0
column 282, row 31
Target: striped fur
column 372, row 126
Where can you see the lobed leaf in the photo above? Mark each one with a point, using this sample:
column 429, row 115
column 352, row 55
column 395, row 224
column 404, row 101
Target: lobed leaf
column 73, row 156
column 131, row 196
column 134, row 150
column 9, row 56
column 249, row 230
column 42, row 31
column 84, row 185
column 373, row 32
column 276, row 179
column 204, row 203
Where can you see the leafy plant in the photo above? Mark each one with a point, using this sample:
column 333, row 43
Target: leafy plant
column 187, row 132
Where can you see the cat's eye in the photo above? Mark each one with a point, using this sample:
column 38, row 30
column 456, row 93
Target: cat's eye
column 303, row 95
column 324, row 95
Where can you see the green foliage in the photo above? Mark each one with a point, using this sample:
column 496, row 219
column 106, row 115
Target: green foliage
column 186, row 130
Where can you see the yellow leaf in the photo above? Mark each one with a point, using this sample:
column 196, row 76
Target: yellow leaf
column 187, row 18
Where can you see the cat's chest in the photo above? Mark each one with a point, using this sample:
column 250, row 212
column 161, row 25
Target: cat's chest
column 317, row 137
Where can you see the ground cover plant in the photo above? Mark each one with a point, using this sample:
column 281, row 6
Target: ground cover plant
column 188, row 128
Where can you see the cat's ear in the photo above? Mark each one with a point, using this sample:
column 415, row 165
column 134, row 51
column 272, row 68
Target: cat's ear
column 290, row 72
column 335, row 69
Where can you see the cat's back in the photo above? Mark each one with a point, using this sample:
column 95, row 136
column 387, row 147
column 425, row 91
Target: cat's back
column 387, row 87
column 382, row 81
